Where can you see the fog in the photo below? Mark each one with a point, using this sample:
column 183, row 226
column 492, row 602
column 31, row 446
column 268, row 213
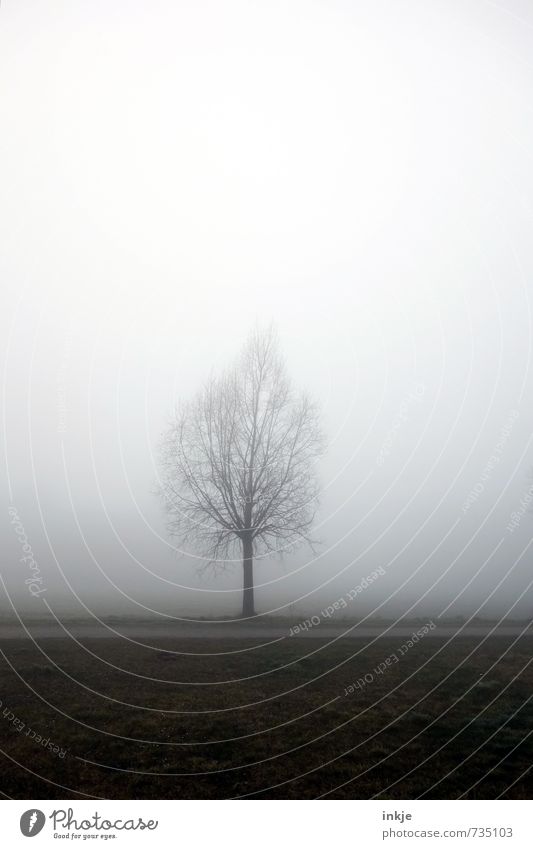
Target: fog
column 360, row 175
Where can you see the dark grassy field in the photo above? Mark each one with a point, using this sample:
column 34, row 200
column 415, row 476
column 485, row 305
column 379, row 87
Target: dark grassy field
column 227, row 719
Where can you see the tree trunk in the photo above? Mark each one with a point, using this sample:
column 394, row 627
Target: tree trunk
column 248, row 578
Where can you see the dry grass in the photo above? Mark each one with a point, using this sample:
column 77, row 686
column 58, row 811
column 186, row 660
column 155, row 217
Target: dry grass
column 286, row 732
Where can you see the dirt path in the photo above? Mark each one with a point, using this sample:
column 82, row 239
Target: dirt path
column 231, row 630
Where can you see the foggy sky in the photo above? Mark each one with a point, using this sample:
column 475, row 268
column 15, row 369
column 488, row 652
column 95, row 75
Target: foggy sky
column 358, row 173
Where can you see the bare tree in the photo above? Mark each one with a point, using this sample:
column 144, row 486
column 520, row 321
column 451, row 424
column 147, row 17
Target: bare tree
column 238, row 462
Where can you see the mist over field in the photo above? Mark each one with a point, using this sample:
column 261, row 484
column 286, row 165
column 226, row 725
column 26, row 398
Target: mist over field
column 360, row 176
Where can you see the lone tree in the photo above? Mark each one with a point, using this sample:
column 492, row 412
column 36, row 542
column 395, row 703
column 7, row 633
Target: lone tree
column 238, row 470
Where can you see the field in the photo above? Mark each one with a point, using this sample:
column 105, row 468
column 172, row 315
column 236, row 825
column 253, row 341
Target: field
column 225, row 719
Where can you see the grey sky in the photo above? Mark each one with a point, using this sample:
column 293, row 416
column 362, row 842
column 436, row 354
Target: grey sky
column 359, row 173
